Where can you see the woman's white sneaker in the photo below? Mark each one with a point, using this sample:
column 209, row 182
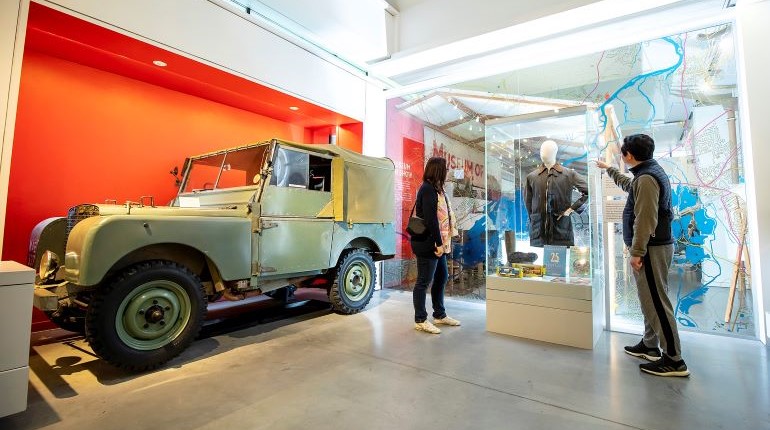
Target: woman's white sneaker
column 447, row 320
column 426, row 326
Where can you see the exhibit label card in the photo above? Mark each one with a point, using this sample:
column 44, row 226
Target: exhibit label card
column 555, row 260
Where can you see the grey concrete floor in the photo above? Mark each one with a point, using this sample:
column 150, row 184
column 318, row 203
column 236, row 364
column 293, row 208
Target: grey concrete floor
column 315, row 369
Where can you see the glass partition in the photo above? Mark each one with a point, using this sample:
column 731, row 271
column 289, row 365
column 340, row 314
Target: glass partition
column 680, row 89
column 543, row 224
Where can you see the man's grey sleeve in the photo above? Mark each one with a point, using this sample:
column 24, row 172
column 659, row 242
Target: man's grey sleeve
column 646, row 194
column 621, row 180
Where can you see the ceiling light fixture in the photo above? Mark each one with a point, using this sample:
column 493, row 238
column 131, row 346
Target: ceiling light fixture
column 293, row 108
column 159, row 63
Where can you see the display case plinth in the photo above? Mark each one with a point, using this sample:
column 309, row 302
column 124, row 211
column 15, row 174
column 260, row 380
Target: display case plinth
column 16, row 291
column 555, row 312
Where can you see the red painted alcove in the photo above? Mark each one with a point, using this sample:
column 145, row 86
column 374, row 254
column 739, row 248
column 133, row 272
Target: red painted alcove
column 97, row 120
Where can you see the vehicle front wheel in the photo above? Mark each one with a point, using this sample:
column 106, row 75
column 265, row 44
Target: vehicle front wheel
column 354, row 284
column 146, row 316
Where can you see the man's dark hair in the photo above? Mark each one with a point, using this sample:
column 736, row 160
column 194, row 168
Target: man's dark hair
column 640, row 146
column 435, row 172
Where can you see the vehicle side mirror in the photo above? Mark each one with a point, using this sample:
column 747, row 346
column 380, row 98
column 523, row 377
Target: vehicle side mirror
column 175, row 173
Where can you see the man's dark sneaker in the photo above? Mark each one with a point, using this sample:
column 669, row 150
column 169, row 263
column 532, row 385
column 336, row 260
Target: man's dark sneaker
column 665, row 367
column 643, row 351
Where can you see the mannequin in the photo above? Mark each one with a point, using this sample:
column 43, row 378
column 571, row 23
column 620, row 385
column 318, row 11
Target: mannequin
column 548, row 152
column 548, row 197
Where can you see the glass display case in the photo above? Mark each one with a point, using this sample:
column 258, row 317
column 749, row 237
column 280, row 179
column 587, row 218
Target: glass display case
column 545, row 255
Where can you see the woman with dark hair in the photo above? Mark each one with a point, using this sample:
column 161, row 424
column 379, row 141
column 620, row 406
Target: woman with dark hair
column 432, row 247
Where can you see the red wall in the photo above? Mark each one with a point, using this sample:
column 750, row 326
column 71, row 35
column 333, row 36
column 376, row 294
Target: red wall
column 84, row 135
column 349, row 136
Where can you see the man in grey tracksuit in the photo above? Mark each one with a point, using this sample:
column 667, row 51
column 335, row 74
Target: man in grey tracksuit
column 647, row 233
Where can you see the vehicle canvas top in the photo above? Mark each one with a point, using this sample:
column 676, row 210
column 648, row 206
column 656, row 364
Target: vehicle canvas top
column 354, row 176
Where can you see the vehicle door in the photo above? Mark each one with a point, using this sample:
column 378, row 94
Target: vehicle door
column 296, row 219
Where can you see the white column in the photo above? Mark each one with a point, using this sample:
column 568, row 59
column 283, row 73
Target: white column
column 374, row 126
column 751, row 25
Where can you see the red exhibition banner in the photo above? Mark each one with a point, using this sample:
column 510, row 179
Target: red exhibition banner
column 410, row 165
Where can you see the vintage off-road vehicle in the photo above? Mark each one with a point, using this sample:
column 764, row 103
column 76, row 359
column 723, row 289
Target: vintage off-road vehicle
column 261, row 218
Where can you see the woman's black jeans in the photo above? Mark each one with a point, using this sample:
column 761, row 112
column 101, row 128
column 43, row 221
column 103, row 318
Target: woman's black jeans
column 429, row 269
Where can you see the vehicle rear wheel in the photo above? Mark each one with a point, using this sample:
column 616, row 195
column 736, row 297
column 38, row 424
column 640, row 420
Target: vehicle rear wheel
column 146, row 316
column 354, row 284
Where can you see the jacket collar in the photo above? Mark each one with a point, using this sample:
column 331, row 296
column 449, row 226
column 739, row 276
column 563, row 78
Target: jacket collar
column 642, row 165
column 558, row 167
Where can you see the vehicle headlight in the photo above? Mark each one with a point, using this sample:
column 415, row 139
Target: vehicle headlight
column 49, row 263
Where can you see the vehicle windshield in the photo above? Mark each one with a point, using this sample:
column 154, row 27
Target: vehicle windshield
column 237, row 168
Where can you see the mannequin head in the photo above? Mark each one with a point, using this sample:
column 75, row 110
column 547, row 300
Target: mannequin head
column 548, row 153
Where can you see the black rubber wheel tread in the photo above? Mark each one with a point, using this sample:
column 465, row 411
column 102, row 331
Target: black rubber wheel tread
column 339, row 301
column 100, row 318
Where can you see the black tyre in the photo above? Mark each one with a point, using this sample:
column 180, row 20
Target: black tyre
column 354, row 285
column 146, row 316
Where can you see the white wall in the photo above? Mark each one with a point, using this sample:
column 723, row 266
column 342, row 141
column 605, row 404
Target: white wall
column 374, row 126
column 751, row 23
column 13, row 16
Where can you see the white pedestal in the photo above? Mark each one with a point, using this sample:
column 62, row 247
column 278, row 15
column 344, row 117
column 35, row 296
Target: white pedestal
column 562, row 313
column 16, row 291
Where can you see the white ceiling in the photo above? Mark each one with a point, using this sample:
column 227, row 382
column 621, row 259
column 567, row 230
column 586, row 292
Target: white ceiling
column 355, row 30
column 513, row 50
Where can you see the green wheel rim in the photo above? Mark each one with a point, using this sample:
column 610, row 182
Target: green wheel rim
column 358, row 281
column 154, row 314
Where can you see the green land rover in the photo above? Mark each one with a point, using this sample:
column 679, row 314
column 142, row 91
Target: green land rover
column 264, row 218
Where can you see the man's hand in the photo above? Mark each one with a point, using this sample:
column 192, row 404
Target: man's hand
column 601, row 164
column 636, row 263
column 439, row 251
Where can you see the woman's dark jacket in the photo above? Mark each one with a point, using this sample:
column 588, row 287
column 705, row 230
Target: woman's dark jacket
column 427, row 208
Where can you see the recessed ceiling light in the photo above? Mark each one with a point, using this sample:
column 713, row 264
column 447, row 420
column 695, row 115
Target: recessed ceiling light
column 293, row 108
column 159, row 63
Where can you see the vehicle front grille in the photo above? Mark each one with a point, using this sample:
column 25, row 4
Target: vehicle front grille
column 79, row 213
